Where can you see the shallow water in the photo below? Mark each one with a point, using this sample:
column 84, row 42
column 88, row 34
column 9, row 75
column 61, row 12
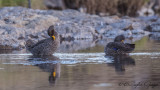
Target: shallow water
column 86, row 69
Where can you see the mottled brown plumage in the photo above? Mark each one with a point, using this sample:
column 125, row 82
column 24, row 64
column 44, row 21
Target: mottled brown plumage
column 118, row 47
column 44, row 47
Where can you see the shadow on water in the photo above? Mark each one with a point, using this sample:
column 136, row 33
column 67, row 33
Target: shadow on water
column 120, row 61
column 54, row 68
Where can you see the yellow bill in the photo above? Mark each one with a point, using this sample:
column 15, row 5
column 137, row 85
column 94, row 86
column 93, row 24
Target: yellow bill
column 54, row 74
column 53, row 37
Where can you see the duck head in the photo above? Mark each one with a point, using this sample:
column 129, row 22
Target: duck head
column 52, row 33
column 119, row 38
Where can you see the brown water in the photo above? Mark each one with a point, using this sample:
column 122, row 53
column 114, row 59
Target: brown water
column 83, row 71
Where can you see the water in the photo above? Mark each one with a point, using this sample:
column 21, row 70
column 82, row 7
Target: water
column 86, row 69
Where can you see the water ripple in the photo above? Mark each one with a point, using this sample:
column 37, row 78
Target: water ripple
column 67, row 58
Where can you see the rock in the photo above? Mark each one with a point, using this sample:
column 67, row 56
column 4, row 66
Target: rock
column 18, row 24
column 129, row 28
column 128, row 33
column 153, row 27
column 113, row 33
column 123, row 23
column 138, row 31
column 155, row 35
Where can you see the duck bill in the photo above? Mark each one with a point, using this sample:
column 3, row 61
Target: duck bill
column 53, row 37
column 54, row 74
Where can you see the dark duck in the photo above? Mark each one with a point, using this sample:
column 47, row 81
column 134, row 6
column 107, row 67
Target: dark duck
column 44, row 47
column 118, row 46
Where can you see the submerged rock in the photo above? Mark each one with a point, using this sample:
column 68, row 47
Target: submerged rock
column 18, row 24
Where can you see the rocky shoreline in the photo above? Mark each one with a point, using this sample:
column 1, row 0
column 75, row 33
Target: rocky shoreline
column 18, row 24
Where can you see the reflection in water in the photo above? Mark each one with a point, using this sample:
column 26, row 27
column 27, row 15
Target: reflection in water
column 5, row 51
column 53, row 68
column 82, row 71
column 119, row 61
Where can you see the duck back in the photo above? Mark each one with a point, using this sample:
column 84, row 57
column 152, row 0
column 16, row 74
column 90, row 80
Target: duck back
column 44, row 47
column 118, row 48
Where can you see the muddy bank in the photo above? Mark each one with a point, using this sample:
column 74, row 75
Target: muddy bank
column 19, row 24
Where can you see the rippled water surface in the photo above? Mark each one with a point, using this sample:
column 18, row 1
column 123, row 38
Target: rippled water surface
column 86, row 69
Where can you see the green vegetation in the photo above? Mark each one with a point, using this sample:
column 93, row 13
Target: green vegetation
column 13, row 3
column 146, row 44
column 38, row 4
column 141, row 42
column 35, row 4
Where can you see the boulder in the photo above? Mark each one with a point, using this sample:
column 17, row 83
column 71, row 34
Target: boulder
column 18, row 24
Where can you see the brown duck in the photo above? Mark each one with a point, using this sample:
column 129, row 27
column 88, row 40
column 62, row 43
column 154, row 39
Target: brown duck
column 118, row 46
column 44, row 47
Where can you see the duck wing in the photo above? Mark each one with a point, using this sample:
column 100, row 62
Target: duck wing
column 128, row 47
column 125, row 47
column 38, row 43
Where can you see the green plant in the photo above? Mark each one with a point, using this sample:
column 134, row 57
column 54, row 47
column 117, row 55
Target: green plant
column 13, row 3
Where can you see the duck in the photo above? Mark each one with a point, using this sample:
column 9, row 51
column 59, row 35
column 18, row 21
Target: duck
column 118, row 46
column 44, row 47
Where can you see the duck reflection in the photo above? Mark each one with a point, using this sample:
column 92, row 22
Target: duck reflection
column 48, row 64
column 120, row 61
